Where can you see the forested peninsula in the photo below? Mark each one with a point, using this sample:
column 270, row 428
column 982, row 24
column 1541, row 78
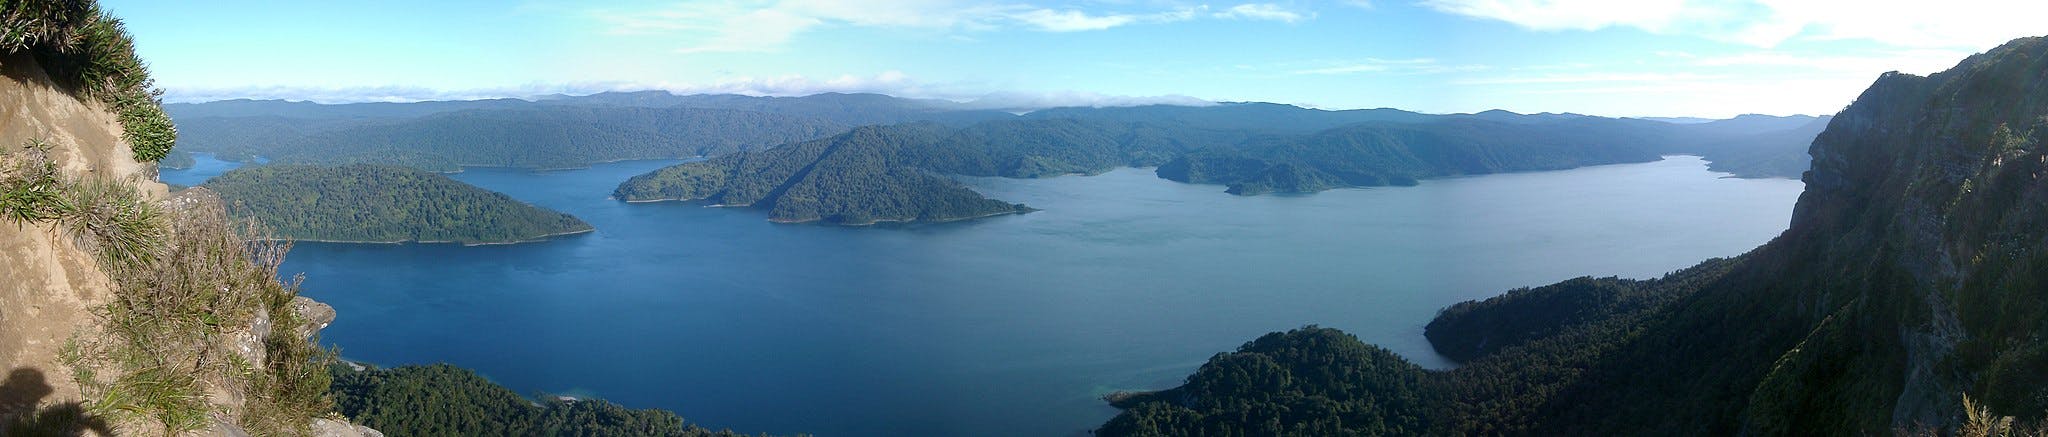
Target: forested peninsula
column 382, row 204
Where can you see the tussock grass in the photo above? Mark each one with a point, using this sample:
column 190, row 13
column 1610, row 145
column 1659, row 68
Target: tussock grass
column 181, row 319
column 85, row 49
column 114, row 221
column 198, row 319
column 30, row 190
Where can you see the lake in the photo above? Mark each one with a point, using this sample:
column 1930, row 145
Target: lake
column 1013, row 325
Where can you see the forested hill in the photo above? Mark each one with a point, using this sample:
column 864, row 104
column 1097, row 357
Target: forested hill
column 550, row 137
column 548, row 132
column 445, row 400
column 1911, row 279
column 896, row 173
column 569, row 131
column 1756, row 150
column 1377, row 154
column 853, row 179
column 367, row 203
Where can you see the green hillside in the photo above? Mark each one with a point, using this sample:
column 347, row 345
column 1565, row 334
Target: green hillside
column 367, row 203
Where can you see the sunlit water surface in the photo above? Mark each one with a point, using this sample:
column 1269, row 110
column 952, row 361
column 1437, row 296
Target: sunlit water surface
column 1006, row 326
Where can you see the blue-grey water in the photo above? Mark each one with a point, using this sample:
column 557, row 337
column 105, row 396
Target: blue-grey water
column 204, row 166
column 1007, row 326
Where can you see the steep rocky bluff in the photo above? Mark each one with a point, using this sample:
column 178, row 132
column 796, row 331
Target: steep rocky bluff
column 1913, row 276
column 47, row 284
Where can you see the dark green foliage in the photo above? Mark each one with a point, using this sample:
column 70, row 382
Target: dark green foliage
column 88, row 51
column 1469, row 330
column 444, row 400
column 368, row 203
column 1377, row 154
column 1910, row 278
column 1528, row 352
column 1306, row 382
column 869, row 175
column 552, row 137
column 549, row 133
column 850, row 179
column 1262, row 117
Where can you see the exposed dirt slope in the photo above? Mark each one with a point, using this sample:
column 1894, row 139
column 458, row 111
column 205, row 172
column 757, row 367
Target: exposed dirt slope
column 47, row 284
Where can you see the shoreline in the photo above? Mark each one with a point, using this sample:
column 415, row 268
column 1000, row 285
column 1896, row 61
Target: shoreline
column 1024, row 210
column 534, row 239
column 464, row 167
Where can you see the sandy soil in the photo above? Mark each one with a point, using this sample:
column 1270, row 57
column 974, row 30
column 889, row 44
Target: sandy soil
column 47, row 285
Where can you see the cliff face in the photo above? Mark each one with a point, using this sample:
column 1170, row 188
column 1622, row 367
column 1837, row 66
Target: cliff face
column 125, row 310
column 1932, row 189
column 48, row 284
column 1910, row 277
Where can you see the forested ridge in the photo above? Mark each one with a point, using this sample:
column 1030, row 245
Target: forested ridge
column 549, row 132
column 847, row 179
column 1910, row 281
column 444, row 400
column 1377, row 154
column 370, row 203
column 568, row 131
column 895, row 172
column 553, row 137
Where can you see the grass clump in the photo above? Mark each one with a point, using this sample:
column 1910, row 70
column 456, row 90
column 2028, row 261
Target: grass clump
column 30, row 190
column 199, row 327
column 209, row 315
column 90, row 52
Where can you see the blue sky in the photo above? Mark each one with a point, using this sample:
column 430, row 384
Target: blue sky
column 1603, row 57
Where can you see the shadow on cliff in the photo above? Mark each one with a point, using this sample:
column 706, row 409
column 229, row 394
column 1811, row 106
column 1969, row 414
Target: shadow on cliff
column 21, row 414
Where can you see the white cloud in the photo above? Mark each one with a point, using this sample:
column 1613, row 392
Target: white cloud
column 1074, row 20
column 1397, row 66
column 769, row 25
column 1591, row 78
column 1918, row 61
column 894, row 83
column 1969, row 24
column 1070, row 20
column 1263, row 11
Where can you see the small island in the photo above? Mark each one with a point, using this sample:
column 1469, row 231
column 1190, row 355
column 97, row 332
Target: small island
column 382, row 204
column 850, row 179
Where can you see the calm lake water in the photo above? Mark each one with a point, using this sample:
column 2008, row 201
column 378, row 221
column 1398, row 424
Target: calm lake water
column 204, row 166
column 1007, row 326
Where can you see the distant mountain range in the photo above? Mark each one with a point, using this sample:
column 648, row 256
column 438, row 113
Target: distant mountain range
column 1250, row 148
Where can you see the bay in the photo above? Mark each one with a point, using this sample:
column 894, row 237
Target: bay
column 1012, row 325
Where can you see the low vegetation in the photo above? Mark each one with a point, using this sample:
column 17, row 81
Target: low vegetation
column 190, row 293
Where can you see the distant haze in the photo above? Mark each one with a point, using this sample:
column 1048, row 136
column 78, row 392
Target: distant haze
column 1675, row 58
